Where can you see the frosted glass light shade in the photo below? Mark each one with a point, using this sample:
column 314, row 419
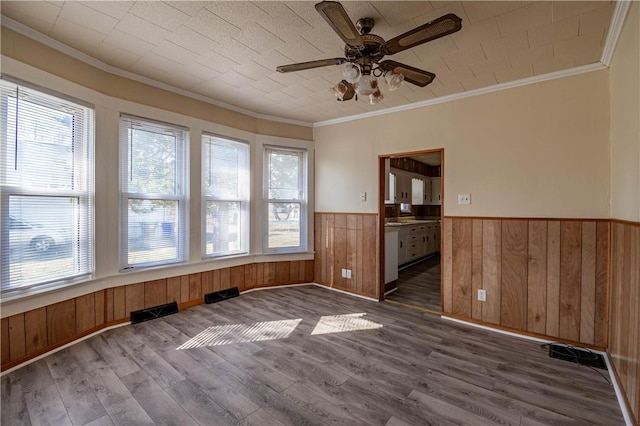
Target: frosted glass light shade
column 393, row 80
column 351, row 73
column 375, row 97
column 366, row 85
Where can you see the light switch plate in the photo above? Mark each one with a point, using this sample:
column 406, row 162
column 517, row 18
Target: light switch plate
column 363, row 196
column 464, row 199
column 482, row 295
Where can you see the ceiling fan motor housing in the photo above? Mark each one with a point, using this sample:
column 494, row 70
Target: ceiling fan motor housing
column 372, row 51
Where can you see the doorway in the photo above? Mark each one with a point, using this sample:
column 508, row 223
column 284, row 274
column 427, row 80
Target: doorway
column 411, row 212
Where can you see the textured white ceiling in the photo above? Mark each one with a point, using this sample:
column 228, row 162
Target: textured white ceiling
column 228, row 51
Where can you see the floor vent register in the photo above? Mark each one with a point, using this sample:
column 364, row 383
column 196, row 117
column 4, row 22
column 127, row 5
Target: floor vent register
column 577, row 355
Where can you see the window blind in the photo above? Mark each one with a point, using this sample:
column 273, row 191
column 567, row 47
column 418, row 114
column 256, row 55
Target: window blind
column 46, row 187
column 153, row 192
column 225, row 190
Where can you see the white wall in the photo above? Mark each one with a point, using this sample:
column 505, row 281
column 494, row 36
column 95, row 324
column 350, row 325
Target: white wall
column 625, row 121
column 107, row 115
column 540, row 150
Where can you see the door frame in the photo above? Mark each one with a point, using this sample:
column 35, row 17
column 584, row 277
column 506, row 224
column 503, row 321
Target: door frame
column 381, row 213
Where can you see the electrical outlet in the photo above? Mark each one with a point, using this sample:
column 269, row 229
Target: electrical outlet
column 348, row 273
column 464, row 199
column 482, row 295
column 344, row 273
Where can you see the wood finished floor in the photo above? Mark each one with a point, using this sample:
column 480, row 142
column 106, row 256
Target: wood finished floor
column 402, row 367
column 419, row 285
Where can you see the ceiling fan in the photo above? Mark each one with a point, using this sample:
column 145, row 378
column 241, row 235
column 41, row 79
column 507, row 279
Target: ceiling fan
column 364, row 51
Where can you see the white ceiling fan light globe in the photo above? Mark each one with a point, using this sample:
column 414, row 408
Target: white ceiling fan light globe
column 393, row 80
column 366, row 85
column 375, row 97
column 351, row 73
column 339, row 90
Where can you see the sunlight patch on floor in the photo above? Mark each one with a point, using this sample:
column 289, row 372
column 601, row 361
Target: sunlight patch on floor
column 240, row 333
column 341, row 323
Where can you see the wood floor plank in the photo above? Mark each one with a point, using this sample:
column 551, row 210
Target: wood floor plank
column 14, row 406
column 155, row 401
column 80, row 400
column 45, row 407
column 411, row 368
column 117, row 401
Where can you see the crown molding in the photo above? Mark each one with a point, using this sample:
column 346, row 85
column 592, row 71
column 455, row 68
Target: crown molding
column 83, row 57
column 615, row 28
column 482, row 91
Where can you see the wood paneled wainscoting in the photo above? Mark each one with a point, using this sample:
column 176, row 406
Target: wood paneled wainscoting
column 543, row 277
column 624, row 340
column 347, row 241
column 29, row 334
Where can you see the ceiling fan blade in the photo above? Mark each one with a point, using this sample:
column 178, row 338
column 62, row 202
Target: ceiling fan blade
column 437, row 28
column 311, row 64
column 412, row 75
column 337, row 18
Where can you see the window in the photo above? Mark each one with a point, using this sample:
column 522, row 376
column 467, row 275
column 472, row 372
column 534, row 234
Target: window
column 286, row 199
column 225, row 190
column 153, row 184
column 46, row 187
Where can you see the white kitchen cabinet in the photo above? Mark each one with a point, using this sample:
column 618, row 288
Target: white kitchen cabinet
column 417, row 191
column 402, row 245
column 436, row 191
column 390, row 190
column 390, row 256
column 403, row 187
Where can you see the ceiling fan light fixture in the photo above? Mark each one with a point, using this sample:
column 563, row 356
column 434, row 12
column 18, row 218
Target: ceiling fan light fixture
column 375, row 97
column 351, row 73
column 343, row 91
column 366, row 85
column 393, row 80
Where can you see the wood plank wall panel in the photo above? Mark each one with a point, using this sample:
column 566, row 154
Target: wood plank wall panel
column 476, row 268
column 537, row 277
column 447, row 265
column 602, row 277
column 85, row 312
column 17, row 337
column 570, row 271
column 461, row 259
column 543, row 277
column 491, row 269
column 513, row 312
column 347, row 241
column 32, row 333
column 155, row 293
column 61, row 321
column 588, row 283
column 553, row 278
column 35, row 328
column 100, row 307
column 624, row 335
column 4, row 345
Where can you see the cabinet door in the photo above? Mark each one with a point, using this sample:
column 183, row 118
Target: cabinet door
column 417, row 191
column 391, row 196
column 404, row 181
column 436, row 191
column 427, row 191
column 402, row 249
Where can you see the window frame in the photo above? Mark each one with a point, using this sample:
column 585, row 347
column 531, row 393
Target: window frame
column 303, row 187
column 244, row 198
column 181, row 196
column 82, row 184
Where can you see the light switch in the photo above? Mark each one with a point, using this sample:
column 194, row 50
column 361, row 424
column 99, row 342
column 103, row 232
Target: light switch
column 464, row 198
column 363, row 196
